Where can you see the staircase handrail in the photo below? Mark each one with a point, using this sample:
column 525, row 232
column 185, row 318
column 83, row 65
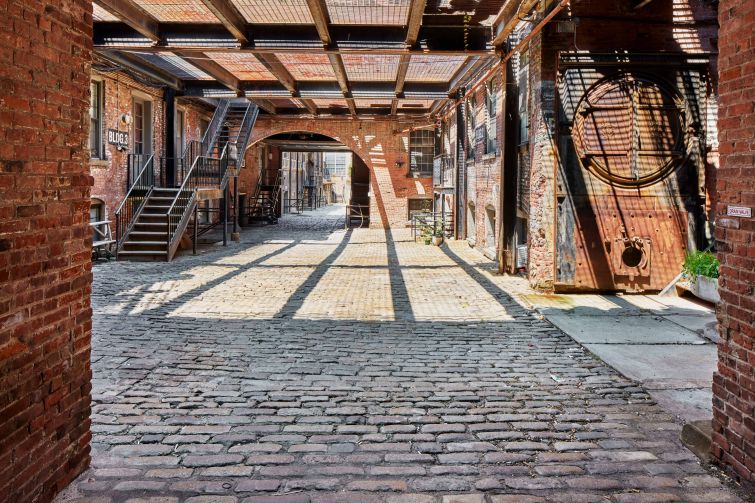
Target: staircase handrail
column 144, row 183
column 141, row 172
column 246, row 130
column 217, row 119
column 187, row 192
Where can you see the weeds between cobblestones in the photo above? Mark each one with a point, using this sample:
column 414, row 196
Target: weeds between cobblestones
column 310, row 365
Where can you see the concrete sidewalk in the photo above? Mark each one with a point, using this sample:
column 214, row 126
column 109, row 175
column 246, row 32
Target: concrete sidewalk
column 665, row 343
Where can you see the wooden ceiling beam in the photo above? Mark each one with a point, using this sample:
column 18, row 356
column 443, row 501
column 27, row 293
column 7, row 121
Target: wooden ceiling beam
column 279, row 71
column 319, row 11
column 336, row 61
column 264, row 104
column 139, row 65
column 414, row 21
column 211, row 68
column 230, row 17
column 134, row 16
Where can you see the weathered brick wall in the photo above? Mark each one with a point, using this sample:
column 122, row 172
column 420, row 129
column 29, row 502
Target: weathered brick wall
column 380, row 143
column 45, row 266
column 484, row 172
column 734, row 383
column 542, row 155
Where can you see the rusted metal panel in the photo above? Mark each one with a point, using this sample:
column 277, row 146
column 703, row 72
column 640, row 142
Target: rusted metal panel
column 629, row 187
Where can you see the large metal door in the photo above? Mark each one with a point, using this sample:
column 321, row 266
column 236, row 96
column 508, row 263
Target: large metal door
column 629, row 195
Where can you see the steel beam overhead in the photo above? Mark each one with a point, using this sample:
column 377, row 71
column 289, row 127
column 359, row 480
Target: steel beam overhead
column 441, row 40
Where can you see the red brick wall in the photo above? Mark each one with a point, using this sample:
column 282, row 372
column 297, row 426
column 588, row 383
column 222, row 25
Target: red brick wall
column 45, row 266
column 380, row 143
column 111, row 174
column 734, row 383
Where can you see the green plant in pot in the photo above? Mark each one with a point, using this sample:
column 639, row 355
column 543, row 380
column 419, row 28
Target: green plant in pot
column 438, row 234
column 701, row 269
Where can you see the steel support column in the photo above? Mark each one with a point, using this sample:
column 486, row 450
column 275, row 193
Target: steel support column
column 170, row 137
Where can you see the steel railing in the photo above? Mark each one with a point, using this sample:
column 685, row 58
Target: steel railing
column 213, row 130
column 136, row 197
column 424, row 222
column 205, row 172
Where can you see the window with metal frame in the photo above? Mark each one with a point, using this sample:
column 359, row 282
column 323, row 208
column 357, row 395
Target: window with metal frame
column 421, row 151
column 96, row 117
column 471, row 128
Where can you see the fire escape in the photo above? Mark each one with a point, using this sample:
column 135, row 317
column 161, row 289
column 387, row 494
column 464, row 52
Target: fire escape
column 157, row 211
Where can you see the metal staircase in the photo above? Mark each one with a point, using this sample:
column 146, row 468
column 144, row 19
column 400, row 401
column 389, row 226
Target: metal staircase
column 152, row 218
column 263, row 206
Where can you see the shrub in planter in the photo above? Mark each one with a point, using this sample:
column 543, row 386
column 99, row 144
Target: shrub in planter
column 701, row 269
column 700, row 263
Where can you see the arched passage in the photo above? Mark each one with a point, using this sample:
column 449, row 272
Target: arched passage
column 308, row 166
column 368, row 162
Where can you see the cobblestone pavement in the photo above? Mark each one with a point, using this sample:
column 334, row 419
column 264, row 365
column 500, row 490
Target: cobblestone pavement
column 308, row 364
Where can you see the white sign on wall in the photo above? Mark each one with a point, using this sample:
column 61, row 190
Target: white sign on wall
column 739, row 211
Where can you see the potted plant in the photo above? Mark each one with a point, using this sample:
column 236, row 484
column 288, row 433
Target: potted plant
column 701, row 270
column 437, row 235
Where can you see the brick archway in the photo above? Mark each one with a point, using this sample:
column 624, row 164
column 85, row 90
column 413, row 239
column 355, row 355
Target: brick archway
column 383, row 147
column 259, row 135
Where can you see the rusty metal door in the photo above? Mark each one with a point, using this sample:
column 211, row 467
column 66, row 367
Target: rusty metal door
column 629, row 194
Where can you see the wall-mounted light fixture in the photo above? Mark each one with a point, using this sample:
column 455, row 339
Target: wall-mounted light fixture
column 126, row 119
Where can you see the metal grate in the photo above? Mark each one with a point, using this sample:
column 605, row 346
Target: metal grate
column 274, row 11
column 371, row 68
column 368, row 12
column 243, row 65
column 307, row 66
column 174, row 65
column 178, row 11
column 433, row 68
column 100, row 14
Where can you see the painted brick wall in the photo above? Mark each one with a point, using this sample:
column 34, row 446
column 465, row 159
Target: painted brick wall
column 380, row 143
column 45, row 265
column 734, row 383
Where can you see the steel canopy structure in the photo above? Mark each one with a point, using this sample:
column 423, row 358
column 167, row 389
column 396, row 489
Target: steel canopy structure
column 358, row 58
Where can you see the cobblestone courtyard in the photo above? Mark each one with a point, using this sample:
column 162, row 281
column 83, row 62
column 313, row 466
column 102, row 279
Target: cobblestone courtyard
column 311, row 364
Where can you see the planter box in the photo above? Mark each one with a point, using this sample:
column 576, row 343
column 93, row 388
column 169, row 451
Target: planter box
column 706, row 288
